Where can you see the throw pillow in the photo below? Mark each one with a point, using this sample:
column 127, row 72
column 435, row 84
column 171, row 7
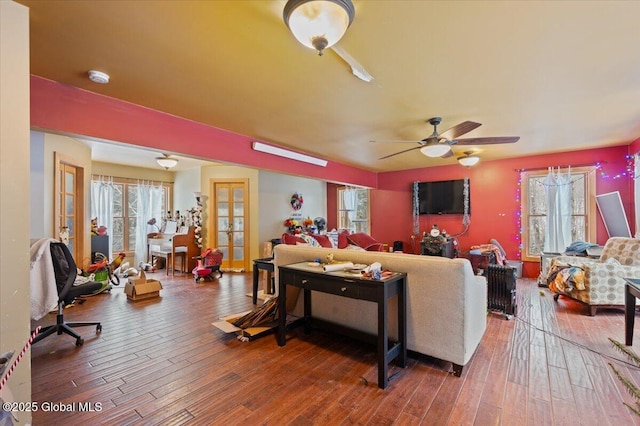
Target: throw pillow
column 292, row 239
column 365, row 241
column 312, row 242
column 343, row 242
column 323, row 240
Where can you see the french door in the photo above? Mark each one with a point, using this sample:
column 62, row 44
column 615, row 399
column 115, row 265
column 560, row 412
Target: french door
column 69, row 204
column 229, row 222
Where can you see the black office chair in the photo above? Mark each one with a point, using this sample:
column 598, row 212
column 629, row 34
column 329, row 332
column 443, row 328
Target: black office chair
column 65, row 268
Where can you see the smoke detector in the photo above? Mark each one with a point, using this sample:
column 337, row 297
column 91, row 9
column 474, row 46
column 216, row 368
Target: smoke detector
column 98, row 77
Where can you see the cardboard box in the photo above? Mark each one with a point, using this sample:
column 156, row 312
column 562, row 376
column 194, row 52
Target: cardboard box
column 251, row 333
column 225, row 324
column 139, row 288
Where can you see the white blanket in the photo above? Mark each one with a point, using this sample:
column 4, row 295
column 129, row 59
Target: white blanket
column 42, row 279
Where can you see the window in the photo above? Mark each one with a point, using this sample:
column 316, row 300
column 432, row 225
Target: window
column 125, row 209
column 353, row 209
column 534, row 209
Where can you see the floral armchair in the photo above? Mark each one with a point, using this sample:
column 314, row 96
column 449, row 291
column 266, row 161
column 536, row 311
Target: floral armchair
column 598, row 283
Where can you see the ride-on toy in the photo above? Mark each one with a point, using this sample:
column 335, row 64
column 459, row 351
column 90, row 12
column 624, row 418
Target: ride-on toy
column 208, row 264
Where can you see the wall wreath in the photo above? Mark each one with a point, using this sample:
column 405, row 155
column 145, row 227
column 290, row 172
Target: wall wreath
column 296, row 201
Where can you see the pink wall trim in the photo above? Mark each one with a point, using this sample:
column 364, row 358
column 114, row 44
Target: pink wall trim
column 69, row 110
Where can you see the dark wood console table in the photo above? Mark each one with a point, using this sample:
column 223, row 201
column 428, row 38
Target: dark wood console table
column 631, row 291
column 312, row 278
column 265, row 264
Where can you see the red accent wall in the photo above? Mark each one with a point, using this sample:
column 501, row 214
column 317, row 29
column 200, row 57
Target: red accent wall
column 73, row 111
column 495, row 209
column 634, row 148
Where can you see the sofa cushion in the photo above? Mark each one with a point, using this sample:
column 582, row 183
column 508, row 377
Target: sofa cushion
column 365, row 241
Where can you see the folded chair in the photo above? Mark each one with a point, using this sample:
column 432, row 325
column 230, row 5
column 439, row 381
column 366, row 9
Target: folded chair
column 65, row 271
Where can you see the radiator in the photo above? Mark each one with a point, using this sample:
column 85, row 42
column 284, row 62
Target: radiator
column 501, row 291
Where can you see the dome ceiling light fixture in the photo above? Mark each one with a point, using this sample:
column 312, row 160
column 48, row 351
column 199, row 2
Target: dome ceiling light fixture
column 318, row 24
column 433, row 148
column 98, row 76
column 468, row 159
column 166, row 161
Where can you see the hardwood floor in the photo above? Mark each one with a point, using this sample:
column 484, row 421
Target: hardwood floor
column 161, row 361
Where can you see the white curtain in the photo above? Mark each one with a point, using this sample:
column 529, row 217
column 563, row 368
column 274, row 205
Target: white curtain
column 349, row 200
column 558, row 196
column 102, row 206
column 149, row 205
column 636, row 192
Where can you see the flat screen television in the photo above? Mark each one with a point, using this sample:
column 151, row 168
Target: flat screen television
column 442, row 197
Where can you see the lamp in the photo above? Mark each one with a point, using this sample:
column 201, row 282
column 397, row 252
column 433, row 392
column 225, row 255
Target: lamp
column 318, row 24
column 468, row 159
column 166, row 161
column 274, row 150
column 435, row 149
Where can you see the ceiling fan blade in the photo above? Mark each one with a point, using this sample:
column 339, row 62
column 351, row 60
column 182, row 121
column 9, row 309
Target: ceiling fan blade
column 487, row 141
column 459, row 130
column 448, row 154
column 398, row 141
column 356, row 68
column 400, row 152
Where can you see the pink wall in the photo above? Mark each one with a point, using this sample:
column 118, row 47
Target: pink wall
column 73, row 111
column 494, row 205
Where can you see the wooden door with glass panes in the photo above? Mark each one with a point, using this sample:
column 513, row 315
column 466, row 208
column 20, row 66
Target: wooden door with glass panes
column 229, row 223
column 68, row 206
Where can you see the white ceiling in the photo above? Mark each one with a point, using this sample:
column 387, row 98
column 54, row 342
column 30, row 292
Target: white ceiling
column 562, row 75
column 127, row 155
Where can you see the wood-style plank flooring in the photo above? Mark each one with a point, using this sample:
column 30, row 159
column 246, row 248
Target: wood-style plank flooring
column 161, row 361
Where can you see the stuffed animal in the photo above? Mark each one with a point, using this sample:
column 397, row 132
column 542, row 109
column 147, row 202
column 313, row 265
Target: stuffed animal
column 94, row 227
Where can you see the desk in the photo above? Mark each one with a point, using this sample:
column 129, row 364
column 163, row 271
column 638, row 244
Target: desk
column 344, row 284
column 265, row 264
column 631, row 291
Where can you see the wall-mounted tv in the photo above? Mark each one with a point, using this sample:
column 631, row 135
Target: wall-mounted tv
column 442, row 197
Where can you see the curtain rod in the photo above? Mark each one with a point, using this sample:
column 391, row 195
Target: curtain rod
column 122, row 179
column 564, row 166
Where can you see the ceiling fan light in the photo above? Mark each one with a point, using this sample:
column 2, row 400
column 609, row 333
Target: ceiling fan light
column 435, row 150
column 166, row 162
column 468, row 160
column 318, row 24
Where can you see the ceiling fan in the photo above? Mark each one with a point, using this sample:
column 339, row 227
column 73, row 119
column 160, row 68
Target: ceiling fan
column 439, row 144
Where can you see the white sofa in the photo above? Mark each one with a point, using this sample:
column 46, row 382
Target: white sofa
column 446, row 302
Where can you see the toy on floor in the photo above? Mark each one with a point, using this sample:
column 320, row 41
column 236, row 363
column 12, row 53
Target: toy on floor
column 208, row 263
column 147, row 267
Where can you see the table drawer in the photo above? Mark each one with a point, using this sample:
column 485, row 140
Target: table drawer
column 341, row 287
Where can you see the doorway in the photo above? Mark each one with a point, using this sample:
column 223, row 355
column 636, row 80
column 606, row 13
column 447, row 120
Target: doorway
column 229, row 222
column 69, row 203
